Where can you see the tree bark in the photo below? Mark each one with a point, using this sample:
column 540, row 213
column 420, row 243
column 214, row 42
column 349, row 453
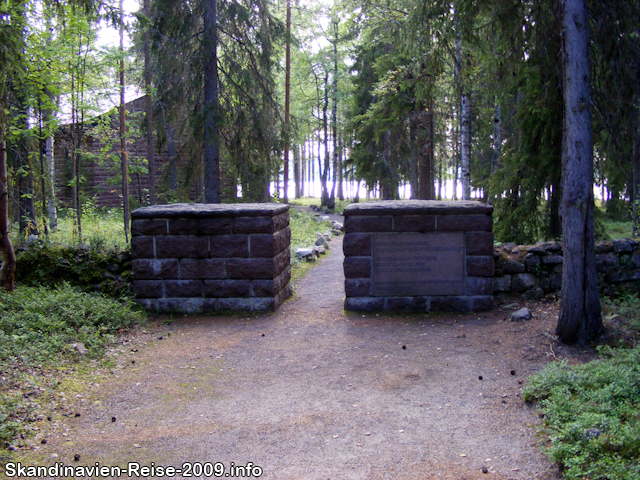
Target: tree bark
column 325, row 126
column 148, row 106
column 580, row 318
column 7, row 272
column 123, row 138
column 287, row 102
column 465, row 145
column 635, row 208
column 51, row 188
column 211, row 104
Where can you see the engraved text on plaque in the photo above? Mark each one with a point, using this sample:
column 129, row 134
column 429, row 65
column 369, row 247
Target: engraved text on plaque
column 416, row 264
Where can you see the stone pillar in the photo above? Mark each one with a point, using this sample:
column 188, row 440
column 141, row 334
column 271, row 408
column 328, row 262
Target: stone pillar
column 418, row 255
column 200, row 258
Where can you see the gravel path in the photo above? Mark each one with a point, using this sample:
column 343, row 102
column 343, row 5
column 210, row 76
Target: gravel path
column 311, row 392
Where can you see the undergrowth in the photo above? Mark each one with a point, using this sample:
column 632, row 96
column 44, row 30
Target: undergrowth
column 40, row 330
column 592, row 411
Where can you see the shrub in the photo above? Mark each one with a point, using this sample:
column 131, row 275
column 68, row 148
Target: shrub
column 592, row 414
column 41, row 329
column 89, row 268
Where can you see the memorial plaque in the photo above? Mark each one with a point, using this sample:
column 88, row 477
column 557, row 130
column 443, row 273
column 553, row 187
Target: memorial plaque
column 412, row 264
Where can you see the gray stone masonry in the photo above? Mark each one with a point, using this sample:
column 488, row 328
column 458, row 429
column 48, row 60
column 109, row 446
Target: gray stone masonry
column 536, row 270
column 203, row 258
column 418, row 255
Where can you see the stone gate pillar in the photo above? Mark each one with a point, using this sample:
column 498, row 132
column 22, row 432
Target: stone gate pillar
column 211, row 257
column 418, row 255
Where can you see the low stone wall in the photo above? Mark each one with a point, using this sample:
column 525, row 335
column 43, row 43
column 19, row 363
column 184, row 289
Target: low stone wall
column 536, row 270
column 210, row 257
column 418, row 256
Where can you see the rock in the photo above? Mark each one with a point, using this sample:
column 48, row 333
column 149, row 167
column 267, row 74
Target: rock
column 552, row 260
column 553, row 247
column 553, row 283
column 337, row 226
column 536, row 293
column 538, row 249
column 521, row 315
column 508, row 246
column 607, row 262
column 531, row 261
column 604, row 247
column 322, row 242
column 323, row 218
column 510, row 266
column 79, row 347
column 502, row 284
column 32, row 239
column 305, row 253
column 522, row 282
column 622, row 246
column 319, row 250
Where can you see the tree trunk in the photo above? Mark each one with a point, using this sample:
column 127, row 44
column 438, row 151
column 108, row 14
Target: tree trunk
column 636, row 167
column 211, row 104
column 287, row 102
column 465, row 145
column 7, row 272
column 296, row 170
column 340, row 190
column 148, row 106
column 123, row 139
column 51, row 188
column 325, row 126
column 413, row 161
column 580, row 317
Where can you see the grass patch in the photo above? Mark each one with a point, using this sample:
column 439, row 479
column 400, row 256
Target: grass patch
column 304, row 227
column 42, row 330
column 101, row 228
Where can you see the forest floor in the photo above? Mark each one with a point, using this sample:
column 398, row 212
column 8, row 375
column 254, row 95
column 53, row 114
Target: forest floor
column 314, row 392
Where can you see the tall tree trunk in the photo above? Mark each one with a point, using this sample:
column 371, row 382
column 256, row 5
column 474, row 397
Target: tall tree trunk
column 465, row 121
column 148, row 106
column 334, row 112
column 123, row 137
column 287, row 102
column 325, row 127
column 580, row 318
column 426, row 170
column 636, row 166
column 211, row 104
column 7, row 272
column 340, row 190
column 413, row 160
column 171, row 158
column 465, row 145
column 24, row 173
column 296, row 170
column 51, row 187
column 497, row 137
column 303, row 165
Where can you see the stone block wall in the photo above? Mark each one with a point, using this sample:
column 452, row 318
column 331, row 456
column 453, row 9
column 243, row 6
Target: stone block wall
column 533, row 271
column 418, row 255
column 211, row 257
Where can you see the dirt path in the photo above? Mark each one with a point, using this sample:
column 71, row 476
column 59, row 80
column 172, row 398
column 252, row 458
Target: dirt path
column 312, row 392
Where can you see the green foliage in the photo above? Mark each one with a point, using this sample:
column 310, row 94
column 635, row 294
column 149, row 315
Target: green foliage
column 89, row 268
column 38, row 329
column 304, row 226
column 592, row 414
column 38, row 324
